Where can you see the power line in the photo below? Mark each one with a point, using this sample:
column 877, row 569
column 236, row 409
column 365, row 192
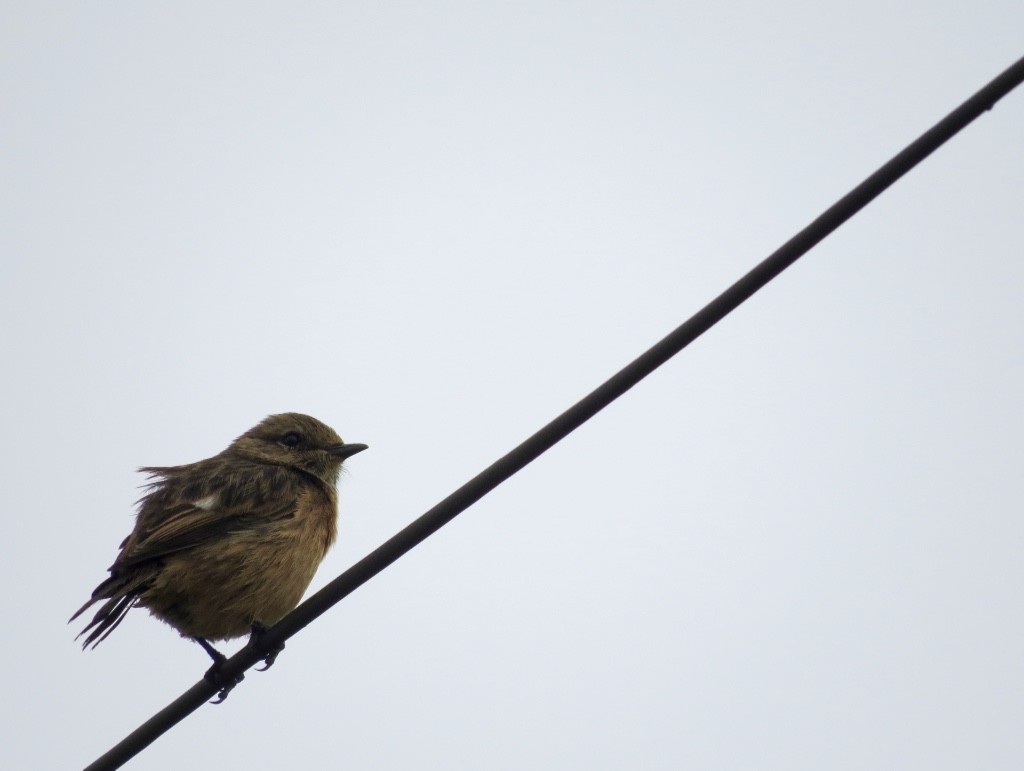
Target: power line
column 572, row 418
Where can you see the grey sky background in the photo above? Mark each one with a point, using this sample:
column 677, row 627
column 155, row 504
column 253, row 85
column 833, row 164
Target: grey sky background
column 434, row 227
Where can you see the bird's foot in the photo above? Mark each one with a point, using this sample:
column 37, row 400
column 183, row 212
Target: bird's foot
column 258, row 630
column 215, row 674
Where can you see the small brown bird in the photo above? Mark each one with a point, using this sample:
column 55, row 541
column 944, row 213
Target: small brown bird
column 228, row 545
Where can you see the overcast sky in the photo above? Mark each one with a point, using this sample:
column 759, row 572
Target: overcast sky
column 434, row 226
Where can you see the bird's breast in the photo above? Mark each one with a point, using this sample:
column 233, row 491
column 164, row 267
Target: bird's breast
column 217, row 590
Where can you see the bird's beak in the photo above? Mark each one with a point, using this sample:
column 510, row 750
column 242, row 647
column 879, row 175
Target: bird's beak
column 343, row 451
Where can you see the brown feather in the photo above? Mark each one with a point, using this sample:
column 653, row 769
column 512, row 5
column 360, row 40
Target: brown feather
column 230, row 540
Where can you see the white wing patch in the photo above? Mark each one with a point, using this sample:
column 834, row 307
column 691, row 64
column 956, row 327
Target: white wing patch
column 206, row 504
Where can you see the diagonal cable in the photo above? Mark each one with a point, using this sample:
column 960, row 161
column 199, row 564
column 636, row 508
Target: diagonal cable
column 445, row 511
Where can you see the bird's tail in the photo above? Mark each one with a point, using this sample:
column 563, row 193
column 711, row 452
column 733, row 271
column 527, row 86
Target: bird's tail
column 120, row 594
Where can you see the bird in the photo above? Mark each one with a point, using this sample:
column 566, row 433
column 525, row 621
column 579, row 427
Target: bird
column 228, row 545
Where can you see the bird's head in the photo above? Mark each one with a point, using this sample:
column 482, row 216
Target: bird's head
column 298, row 441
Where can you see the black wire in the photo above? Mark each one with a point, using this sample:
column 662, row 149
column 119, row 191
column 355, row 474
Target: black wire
column 573, row 417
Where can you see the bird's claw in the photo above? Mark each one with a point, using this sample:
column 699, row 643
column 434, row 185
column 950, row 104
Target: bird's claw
column 258, row 630
column 215, row 676
column 270, row 658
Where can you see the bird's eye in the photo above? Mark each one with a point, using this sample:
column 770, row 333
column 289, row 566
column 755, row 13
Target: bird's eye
column 291, row 439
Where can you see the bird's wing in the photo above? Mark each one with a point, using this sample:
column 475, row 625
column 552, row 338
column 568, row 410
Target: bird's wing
column 175, row 516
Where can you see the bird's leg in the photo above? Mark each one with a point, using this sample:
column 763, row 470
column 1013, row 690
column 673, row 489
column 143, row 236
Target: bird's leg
column 258, row 630
column 214, row 675
column 218, row 657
